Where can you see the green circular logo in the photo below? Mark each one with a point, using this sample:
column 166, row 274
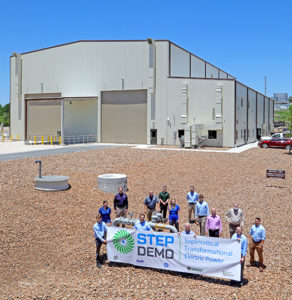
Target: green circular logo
column 123, row 242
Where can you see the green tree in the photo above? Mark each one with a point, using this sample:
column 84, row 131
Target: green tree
column 6, row 108
column 290, row 99
column 1, row 110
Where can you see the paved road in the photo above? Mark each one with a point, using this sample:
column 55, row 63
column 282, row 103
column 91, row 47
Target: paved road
column 29, row 154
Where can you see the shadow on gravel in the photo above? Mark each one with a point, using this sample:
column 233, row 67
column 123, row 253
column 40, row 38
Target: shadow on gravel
column 182, row 275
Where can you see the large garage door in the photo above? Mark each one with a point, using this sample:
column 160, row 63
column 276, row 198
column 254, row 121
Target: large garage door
column 43, row 118
column 124, row 117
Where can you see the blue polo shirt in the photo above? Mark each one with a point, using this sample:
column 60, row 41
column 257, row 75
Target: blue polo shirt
column 202, row 209
column 258, row 233
column 144, row 226
column 192, row 197
column 99, row 230
column 173, row 213
column 105, row 214
column 243, row 243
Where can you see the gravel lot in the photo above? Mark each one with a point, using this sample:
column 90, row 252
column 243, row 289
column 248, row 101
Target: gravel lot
column 47, row 249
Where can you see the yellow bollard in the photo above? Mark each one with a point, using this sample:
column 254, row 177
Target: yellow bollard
column 48, row 139
column 17, row 137
column 2, row 137
column 51, row 140
column 35, row 140
column 60, row 140
column 11, row 137
column 55, row 139
column 42, row 140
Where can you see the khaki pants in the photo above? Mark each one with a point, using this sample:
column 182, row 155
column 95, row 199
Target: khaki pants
column 149, row 213
column 191, row 208
column 202, row 223
column 121, row 212
column 256, row 246
column 232, row 229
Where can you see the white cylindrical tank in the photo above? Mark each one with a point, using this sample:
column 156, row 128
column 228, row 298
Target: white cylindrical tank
column 52, row 183
column 110, row 183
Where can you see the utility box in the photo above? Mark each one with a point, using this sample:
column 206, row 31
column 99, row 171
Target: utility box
column 188, row 136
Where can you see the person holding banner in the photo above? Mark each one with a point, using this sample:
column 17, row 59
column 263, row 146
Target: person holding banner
column 257, row 239
column 243, row 245
column 173, row 214
column 100, row 230
column 150, row 205
column 141, row 224
column 201, row 213
column 214, row 224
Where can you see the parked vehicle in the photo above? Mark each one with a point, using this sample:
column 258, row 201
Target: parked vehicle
column 276, row 136
column 285, row 143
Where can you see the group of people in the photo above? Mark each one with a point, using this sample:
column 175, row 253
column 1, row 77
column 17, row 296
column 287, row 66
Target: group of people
column 209, row 224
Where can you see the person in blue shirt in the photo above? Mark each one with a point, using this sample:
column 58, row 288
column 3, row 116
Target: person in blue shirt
column 173, row 214
column 243, row 246
column 257, row 239
column 150, row 203
column 100, row 230
column 188, row 230
column 141, row 224
column 192, row 198
column 201, row 213
column 105, row 212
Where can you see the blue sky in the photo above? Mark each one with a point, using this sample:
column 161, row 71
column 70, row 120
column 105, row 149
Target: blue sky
column 248, row 39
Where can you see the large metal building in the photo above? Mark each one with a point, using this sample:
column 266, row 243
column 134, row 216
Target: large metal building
column 139, row 91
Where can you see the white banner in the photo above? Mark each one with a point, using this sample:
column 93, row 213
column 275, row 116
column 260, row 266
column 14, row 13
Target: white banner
column 169, row 251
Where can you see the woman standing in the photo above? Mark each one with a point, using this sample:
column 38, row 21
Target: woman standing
column 105, row 213
column 173, row 214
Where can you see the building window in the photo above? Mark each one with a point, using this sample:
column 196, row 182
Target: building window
column 212, row 134
column 181, row 133
column 241, row 102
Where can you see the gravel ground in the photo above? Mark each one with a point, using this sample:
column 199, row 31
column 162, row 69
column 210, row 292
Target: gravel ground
column 47, row 249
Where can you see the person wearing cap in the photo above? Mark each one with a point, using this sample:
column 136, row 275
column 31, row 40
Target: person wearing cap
column 192, row 198
column 150, row 205
column 214, row 224
column 257, row 235
column 234, row 217
column 243, row 246
column 201, row 213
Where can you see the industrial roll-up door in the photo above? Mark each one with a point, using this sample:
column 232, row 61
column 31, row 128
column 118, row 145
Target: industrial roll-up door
column 124, row 117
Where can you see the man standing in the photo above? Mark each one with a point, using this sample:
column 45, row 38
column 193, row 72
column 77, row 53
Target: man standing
column 243, row 245
column 192, row 198
column 100, row 230
column 214, row 224
column 234, row 216
column 164, row 200
column 150, row 205
column 121, row 203
column 201, row 213
column 141, row 224
column 257, row 239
